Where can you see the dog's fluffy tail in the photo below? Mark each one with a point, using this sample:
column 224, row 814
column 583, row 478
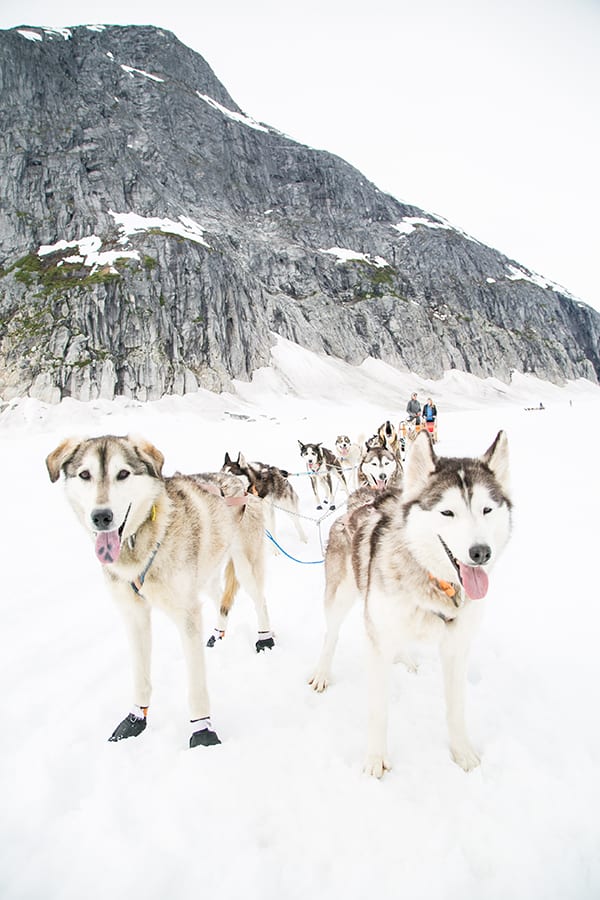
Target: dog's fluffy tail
column 230, row 589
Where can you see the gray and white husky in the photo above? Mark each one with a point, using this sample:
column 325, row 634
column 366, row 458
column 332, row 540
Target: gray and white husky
column 419, row 559
column 272, row 485
column 321, row 463
column 161, row 541
column 379, row 468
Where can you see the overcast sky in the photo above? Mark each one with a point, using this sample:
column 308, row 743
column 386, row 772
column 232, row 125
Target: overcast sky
column 486, row 113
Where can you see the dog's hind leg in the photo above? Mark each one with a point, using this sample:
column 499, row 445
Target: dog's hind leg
column 230, row 590
column 340, row 596
column 136, row 615
column 250, row 570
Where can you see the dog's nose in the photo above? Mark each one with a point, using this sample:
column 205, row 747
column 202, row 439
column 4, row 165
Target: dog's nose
column 102, row 518
column 480, row 554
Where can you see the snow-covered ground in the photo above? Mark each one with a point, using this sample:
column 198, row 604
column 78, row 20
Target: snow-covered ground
column 281, row 810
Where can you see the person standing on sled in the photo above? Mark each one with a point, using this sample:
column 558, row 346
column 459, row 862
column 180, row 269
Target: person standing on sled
column 413, row 408
column 430, row 416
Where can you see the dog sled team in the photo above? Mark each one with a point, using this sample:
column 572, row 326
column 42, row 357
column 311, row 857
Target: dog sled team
column 414, row 542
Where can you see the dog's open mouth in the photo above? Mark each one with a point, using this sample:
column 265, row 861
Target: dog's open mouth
column 474, row 579
column 108, row 543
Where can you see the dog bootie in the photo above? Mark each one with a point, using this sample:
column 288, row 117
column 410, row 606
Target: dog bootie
column 265, row 641
column 203, row 735
column 217, row 635
column 132, row 725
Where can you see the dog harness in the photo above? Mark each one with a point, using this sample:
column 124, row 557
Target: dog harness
column 451, row 591
column 138, row 583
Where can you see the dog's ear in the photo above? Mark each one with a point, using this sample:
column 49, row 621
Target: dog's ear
column 301, row 445
column 496, row 457
column 242, row 461
column 227, row 460
column 149, row 454
column 63, row 453
column 420, row 463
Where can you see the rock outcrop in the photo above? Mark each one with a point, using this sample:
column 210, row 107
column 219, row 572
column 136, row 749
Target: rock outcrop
column 154, row 239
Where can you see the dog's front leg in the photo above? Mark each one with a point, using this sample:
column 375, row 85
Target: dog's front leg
column 188, row 620
column 137, row 617
column 378, row 667
column 454, row 652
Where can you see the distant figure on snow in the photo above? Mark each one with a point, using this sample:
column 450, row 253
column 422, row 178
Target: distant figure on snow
column 413, row 408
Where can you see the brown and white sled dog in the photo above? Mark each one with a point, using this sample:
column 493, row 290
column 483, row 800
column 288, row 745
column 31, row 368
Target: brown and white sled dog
column 161, row 541
column 271, row 484
column 419, row 558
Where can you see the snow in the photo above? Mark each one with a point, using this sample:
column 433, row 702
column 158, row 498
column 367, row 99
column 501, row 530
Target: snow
column 89, row 252
column 519, row 274
column 133, row 71
column 30, row 35
column 132, row 223
column 344, row 255
column 231, row 114
column 410, row 223
column 281, row 809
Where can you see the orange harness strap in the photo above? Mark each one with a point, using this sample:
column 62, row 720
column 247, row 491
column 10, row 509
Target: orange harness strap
column 445, row 586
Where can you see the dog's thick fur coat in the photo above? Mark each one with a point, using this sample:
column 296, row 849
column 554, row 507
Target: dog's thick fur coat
column 162, row 541
column 419, row 559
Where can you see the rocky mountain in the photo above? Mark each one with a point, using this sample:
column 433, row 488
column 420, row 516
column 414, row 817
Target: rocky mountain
column 154, row 238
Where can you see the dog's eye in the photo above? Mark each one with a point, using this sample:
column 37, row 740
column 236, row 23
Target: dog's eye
column 85, row 475
column 487, row 510
column 447, row 512
column 123, row 474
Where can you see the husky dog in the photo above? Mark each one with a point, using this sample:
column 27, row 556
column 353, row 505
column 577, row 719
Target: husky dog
column 270, row 484
column 349, row 455
column 320, row 463
column 379, row 468
column 420, row 560
column 161, row 541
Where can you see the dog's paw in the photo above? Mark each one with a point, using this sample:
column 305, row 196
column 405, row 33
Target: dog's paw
column 203, row 734
column 465, row 757
column 319, row 682
column 204, row 738
column 131, row 726
column 217, row 635
column 265, row 641
column 375, row 765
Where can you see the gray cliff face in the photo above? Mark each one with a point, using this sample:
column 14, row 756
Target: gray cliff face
column 154, row 239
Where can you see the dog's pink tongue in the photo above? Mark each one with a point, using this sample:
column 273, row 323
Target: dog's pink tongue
column 108, row 546
column 474, row 580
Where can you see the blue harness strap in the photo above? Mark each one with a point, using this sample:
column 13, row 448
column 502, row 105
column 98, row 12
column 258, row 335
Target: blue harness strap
column 304, row 562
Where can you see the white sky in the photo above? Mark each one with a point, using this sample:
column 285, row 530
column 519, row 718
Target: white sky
column 485, row 113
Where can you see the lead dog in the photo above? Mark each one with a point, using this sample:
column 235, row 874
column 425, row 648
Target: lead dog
column 160, row 542
column 419, row 559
